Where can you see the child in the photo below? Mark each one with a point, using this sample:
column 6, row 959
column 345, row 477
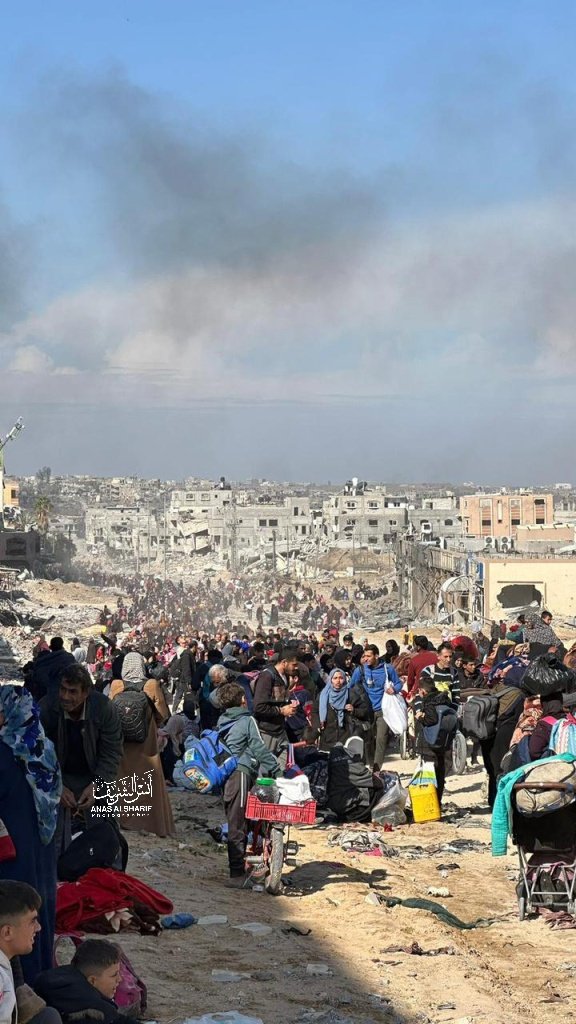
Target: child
column 243, row 740
column 297, row 724
column 425, row 713
column 84, row 990
column 19, row 925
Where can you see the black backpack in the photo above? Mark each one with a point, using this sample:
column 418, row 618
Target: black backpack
column 97, row 847
column 134, row 708
column 480, row 714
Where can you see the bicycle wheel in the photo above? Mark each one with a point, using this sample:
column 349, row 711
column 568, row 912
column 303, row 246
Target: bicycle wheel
column 459, row 754
column 273, row 883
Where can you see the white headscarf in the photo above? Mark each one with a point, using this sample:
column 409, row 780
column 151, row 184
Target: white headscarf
column 134, row 668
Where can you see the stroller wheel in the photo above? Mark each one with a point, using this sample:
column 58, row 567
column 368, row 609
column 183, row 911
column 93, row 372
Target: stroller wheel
column 522, row 908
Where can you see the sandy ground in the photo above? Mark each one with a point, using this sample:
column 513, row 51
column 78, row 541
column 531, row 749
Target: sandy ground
column 499, row 974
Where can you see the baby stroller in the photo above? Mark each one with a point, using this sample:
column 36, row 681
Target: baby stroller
column 544, row 830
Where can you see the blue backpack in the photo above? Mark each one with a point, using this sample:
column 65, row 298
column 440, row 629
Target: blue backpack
column 207, row 762
column 441, row 735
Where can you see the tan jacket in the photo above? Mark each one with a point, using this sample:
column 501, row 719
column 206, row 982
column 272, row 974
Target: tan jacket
column 152, row 689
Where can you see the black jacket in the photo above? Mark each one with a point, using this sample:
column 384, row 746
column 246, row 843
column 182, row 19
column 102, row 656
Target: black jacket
column 187, row 669
column 47, row 672
column 356, row 723
column 77, row 1001
column 270, row 693
column 102, row 734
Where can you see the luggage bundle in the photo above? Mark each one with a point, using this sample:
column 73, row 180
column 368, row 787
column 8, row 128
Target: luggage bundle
column 558, row 782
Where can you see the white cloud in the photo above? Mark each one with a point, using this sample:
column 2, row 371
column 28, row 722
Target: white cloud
column 30, row 359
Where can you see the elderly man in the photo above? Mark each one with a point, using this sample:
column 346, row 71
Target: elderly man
column 216, row 676
column 85, row 728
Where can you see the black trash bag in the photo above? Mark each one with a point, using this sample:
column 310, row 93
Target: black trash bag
column 546, row 675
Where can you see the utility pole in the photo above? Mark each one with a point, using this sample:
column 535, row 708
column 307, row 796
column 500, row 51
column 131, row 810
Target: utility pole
column 233, row 537
column 274, row 551
column 148, row 540
column 287, row 549
column 165, row 542
column 353, row 550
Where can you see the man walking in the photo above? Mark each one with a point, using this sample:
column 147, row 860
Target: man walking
column 377, row 678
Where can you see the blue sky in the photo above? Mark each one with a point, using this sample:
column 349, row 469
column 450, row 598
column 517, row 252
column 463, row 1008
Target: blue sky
column 238, row 219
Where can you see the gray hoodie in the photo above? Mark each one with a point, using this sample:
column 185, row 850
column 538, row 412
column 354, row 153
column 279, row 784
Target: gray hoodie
column 243, row 740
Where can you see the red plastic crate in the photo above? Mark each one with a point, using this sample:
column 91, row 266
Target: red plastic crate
column 288, row 814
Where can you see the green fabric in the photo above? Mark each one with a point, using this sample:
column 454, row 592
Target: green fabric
column 502, row 813
column 439, row 911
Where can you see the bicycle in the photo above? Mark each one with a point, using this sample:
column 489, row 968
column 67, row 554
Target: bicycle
column 271, row 846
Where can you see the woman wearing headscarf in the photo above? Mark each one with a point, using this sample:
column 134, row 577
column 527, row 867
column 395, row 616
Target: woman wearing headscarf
column 540, row 635
column 392, row 652
column 340, row 711
column 30, row 789
column 140, row 758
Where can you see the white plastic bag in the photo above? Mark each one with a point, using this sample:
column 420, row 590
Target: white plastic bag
column 390, row 807
column 294, row 791
column 395, row 713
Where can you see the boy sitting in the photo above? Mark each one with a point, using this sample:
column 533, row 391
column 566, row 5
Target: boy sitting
column 19, row 925
column 84, row 990
column 243, row 740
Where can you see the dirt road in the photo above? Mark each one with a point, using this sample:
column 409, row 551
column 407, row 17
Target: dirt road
column 499, row 974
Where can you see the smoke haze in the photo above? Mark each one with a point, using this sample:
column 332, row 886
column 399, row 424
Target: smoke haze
column 223, row 308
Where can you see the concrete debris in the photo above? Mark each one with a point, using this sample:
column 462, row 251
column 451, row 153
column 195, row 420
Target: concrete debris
column 253, row 928
column 225, row 977
column 318, row 970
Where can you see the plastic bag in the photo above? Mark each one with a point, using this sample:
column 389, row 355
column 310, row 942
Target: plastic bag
column 390, row 807
column 546, row 675
column 395, row 713
column 294, row 791
column 425, row 776
column 393, row 816
column 394, row 791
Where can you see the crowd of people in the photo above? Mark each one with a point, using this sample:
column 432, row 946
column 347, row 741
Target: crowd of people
column 210, row 605
column 123, row 706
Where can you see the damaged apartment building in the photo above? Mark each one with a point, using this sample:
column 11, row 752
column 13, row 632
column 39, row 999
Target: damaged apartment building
column 511, row 556
column 370, row 517
column 230, row 526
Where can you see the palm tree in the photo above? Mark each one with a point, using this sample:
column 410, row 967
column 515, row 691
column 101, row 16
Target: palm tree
column 43, row 510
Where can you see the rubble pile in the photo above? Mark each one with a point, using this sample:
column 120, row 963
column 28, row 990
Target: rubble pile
column 43, row 606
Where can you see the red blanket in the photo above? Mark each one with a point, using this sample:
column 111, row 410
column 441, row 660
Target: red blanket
column 103, row 891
